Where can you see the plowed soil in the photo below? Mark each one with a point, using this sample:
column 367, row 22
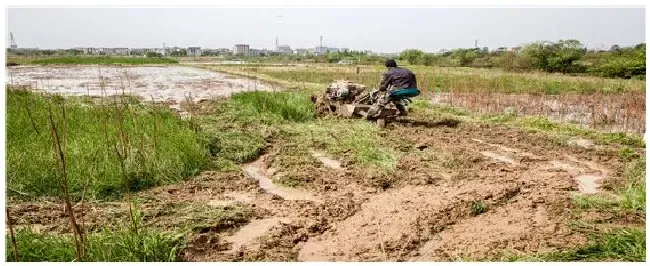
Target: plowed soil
column 460, row 191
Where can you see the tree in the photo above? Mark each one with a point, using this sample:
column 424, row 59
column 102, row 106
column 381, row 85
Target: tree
column 556, row 57
column 428, row 59
column 412, row 56
column 153, row 54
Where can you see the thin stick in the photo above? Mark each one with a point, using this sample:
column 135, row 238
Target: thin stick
column 14, row 247
column 60, row 157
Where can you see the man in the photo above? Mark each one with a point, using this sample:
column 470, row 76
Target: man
column 396, row 78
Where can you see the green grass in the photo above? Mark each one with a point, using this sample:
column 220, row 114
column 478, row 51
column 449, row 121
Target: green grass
column 107, row 246
column 274, row 107
column 159, row 148
column 620, row 244
column 100, row 60
column 239, row 127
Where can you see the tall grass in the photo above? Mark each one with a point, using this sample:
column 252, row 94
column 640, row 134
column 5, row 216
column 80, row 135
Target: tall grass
column 239, row 126
column 273, row 107
column 100, row 60
column 106, row 246
column 163, row 148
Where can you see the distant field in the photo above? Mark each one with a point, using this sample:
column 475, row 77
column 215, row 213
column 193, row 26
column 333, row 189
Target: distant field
column 454, row 79
column 79, row 60
column 603, row 103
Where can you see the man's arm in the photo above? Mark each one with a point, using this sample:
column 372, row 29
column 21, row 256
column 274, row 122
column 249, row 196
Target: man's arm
column 385, row 81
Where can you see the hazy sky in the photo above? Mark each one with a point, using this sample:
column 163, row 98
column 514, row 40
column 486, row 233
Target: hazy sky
column 377, row 29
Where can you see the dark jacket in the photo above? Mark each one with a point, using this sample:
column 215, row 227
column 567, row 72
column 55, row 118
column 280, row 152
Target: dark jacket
column 399, row 78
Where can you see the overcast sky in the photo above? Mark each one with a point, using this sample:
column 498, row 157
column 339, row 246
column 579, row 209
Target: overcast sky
column 378, row 29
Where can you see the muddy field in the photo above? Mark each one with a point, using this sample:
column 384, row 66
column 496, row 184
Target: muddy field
column 171, row 84
column 466, row 192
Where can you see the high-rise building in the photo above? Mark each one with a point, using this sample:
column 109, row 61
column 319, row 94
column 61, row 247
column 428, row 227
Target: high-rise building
column 194, row 51
column 241, row 50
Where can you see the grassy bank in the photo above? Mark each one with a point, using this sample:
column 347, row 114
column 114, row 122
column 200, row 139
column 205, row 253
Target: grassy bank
column 108, row 148
column 91, row 60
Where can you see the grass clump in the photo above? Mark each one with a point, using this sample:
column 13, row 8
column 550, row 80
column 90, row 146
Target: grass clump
column 273, row 107
column 478, row 207
column 619, row 244
column 101, row 60
column 156, row 147
column 111, row 246
column 239, row 127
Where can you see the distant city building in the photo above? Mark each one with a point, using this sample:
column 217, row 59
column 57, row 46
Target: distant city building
column 256, row 52
column 13, row 44
column 139, row 51
column 318, row 50
column 284, row 49
column 118, row 51
column 324, row 50
column 241, row 50
column 194, row 51
column 224, row 51
column 301, row 52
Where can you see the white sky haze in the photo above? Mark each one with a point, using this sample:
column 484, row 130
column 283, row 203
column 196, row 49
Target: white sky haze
column 377, row 29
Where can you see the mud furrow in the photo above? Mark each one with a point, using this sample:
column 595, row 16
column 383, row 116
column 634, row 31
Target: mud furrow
column 386, row 220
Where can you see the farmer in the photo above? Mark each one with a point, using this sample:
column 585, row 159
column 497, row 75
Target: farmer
column 397, row 78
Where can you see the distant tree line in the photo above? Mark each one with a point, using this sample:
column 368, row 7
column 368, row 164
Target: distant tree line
column 564, row 56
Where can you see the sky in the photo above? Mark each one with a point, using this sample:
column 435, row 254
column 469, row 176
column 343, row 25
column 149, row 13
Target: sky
column 376, row 29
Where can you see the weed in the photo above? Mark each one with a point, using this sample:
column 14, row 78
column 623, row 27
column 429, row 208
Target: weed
column 164, row 148
column 273, row 107
column 478, row 207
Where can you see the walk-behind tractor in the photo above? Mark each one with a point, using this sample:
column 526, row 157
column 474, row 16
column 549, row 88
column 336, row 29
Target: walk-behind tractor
column 347, row 99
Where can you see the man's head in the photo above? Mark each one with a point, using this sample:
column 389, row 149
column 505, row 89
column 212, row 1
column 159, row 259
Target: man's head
column 390, row 63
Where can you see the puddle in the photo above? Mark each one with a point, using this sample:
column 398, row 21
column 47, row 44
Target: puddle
column 499, row 157
column 588, row 180
column 249, row 232
column 588, row 184
column 584, row 143
column 328, row 162
column 257, row 171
